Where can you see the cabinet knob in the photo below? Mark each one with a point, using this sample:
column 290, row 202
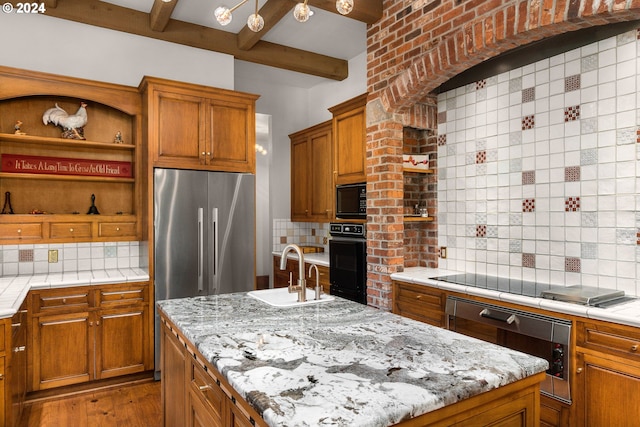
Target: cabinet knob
column 1, row 377
column 634, row 348
column 71, row 230
column 64, row 300
column 19, row 230
column 579, row 371
column 203, row 153
column 117, row 228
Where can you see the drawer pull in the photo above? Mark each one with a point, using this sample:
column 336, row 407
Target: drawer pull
column 19, row 230
column 419, row 297
column 634, row 348
column 117, row 228
column 19, row 349
column 204, row 387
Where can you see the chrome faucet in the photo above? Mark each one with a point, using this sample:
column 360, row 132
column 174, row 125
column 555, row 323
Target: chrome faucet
column 318, row 287
column 301, row 288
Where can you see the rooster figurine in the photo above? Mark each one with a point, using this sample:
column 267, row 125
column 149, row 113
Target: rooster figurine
column 72, row 124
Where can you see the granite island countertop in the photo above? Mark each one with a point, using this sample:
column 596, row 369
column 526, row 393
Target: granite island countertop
column 340, row 363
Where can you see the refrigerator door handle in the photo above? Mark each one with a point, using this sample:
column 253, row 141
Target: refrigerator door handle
column 214, row 215
column 200, row 249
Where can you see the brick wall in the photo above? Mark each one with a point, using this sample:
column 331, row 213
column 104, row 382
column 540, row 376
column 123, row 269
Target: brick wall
column 414, row 48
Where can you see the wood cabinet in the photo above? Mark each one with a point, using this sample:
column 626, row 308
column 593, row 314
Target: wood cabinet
column 198, row 127
column 281, row 277
column 193, row 393
column 607, row 375
column 13, row 367
column 349, row 140
column 419, row 303
column 56, row 177
column 312, row 194
column 86, row 333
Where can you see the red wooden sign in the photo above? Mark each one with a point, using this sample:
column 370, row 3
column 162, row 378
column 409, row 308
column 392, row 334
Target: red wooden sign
column 16, row 163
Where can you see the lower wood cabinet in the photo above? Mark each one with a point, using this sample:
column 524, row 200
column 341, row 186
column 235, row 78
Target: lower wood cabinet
column 193, row 393
column 419, row 303
column 87, row 333
column 607, row 382
column 13, row 367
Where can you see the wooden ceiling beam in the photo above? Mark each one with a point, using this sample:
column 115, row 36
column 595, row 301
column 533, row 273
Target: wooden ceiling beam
column 160, row 14
column 118, row 18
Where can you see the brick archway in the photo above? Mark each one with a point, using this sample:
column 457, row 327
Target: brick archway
column 494, row 32
column 415, row 48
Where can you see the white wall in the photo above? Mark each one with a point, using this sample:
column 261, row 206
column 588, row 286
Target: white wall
column 42, row 43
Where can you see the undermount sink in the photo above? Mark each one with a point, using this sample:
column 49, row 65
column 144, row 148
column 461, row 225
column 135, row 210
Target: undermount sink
column 280, row 297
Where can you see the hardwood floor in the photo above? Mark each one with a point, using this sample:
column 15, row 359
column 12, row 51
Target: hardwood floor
column 131, row 405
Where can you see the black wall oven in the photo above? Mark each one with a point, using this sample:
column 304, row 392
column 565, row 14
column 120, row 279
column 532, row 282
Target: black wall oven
column 348, row 261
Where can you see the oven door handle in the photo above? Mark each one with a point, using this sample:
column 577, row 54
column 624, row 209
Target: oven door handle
column 508, row 319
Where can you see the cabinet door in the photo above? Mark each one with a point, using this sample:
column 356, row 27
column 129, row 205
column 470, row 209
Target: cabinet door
column 62, row 350
column 300, row 177
column 17, row 374
column 349, row 139
column 178, row 123
column 281, row 277
column 120, row 341
column 230, row 136
column 3, row 395
column 320, row 187
column 174, row 379
column 608, row 392
column 312, row 190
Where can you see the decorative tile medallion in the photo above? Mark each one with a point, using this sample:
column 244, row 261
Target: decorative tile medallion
column 480, row 84
column 572, row 264
column 528, row 177
column 25, row 255
column 528, row 94
column 442, row 139
column 529, row 205
column 529, row 260
column 571, row 113
column 481, row 156
column 442, row 117
column 572, row 173
column 528, row 122
column 572, row 83
column 481, row 230
column 572, row 204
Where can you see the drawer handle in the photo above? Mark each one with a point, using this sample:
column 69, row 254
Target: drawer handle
column 634, row 348
column 204, row 387
column 419, row 297
column 19, row 349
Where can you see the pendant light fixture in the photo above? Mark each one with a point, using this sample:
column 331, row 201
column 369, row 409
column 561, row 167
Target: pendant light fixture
column 301, row 13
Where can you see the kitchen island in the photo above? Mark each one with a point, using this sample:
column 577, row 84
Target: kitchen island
column 233, row 360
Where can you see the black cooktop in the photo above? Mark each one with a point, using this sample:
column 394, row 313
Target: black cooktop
column 502, row 284
column 585, row 295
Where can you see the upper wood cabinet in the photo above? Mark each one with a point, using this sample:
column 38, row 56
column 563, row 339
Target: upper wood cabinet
column 55, row 177
column 349, row 140
column 311, row 180
column 198, row 127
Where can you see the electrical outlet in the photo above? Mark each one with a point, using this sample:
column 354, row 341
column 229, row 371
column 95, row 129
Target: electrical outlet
column 53, row 255
column 443, row 251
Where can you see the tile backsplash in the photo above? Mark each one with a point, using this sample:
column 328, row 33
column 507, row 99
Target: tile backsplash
column 538, row 170
column 34, row 259
column 301, row 233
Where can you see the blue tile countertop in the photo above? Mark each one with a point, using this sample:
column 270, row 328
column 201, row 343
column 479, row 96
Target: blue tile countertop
column 14, row 289
column 340, row 363
column 627, row 313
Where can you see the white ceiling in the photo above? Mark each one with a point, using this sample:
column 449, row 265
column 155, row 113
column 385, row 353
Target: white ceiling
column 324, row 33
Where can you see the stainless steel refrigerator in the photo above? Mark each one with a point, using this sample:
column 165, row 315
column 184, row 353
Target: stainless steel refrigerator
column 204, row 233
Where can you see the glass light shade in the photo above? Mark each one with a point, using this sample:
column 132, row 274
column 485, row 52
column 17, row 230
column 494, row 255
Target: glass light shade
column 301, row 12
column 223, row 15
column 255, row 22
column 344, row 6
